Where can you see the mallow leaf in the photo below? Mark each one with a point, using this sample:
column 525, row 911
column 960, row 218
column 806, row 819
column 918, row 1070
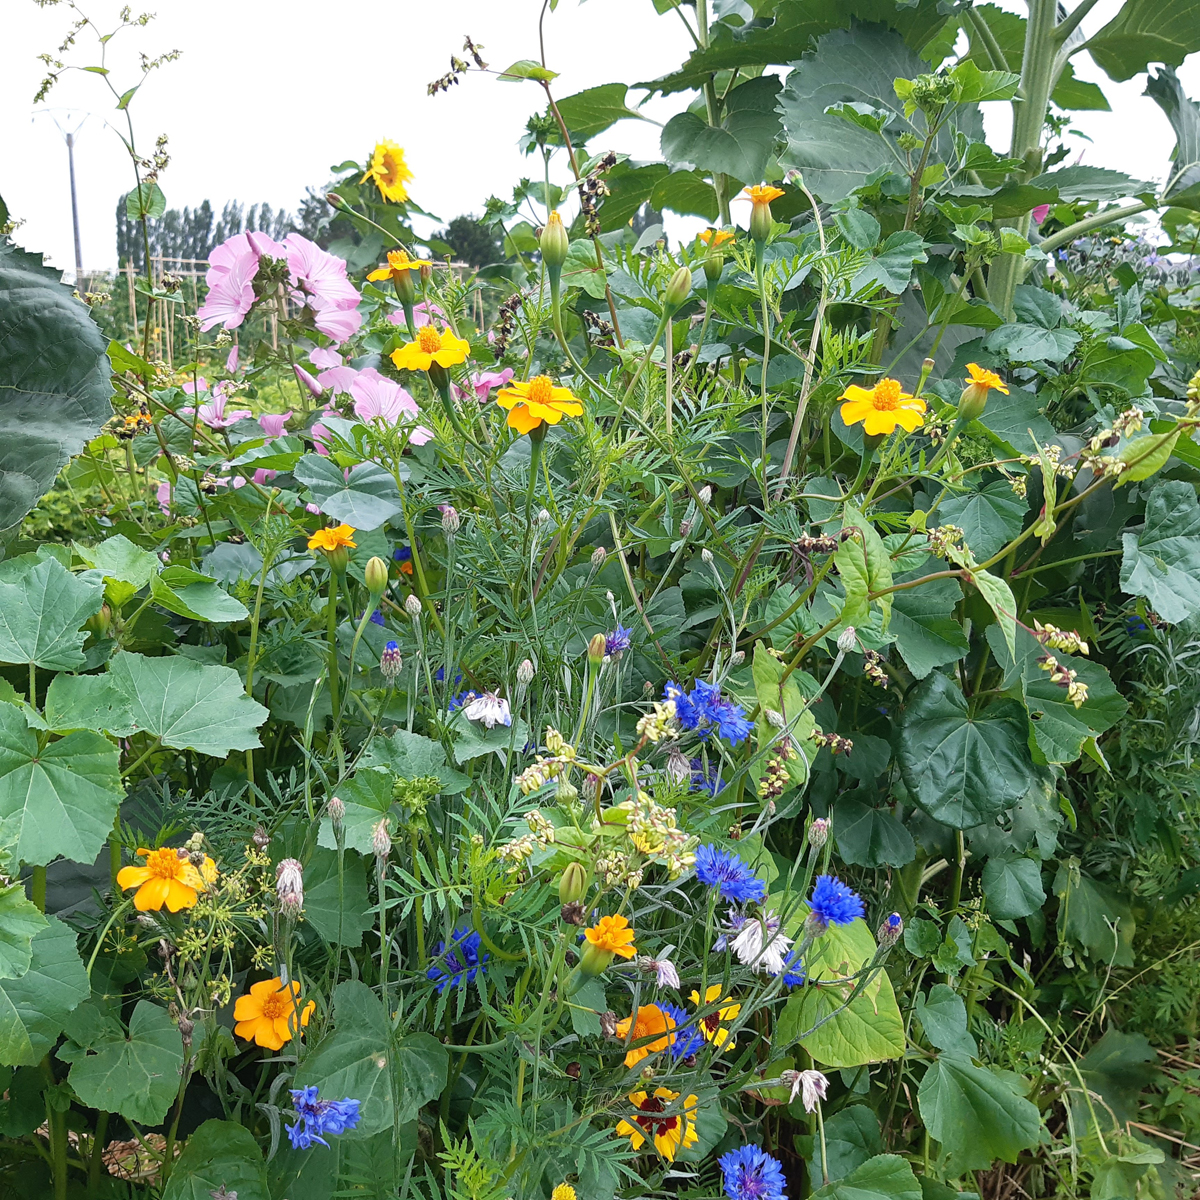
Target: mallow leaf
column 20, row 923
column 364, row 499
column 220, row 1159
column 1162, row 561
column 42, row 610
column 35, row 1005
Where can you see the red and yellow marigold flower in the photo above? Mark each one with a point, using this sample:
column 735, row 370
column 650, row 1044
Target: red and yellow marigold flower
column 268, row 1013
column 648, row 1021
column 169, row 878
column 443, row 348
column 882, row 407
column 530, row 402
column 713, row 1025
column 668, row 1132
column 389, row 172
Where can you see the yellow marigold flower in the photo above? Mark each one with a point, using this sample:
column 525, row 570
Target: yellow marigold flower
column 648, row 1021
column 531, row 402
column 716, row 237
column 330, row 539
column 882, row 408
column 613, row 934
column 762, row 193
column 985, row 379
column 564, row 1191
column 668, row 1133
column 389, row 172
column 267, row 1013
column 431, row 347
column 713, row 1025
column 167, row 878
column 398, row 263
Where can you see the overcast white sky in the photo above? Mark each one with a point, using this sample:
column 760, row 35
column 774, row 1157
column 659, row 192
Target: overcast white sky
column 268, row 95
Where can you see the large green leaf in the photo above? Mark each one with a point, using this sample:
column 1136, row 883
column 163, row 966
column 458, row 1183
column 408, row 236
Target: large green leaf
column 189, row 705
column 1094, row 916
column 220, row 1159
column 54, row 380
column 884, row 1177
column 365, row 499
column 1162, row 562
column 1119, row 1066
column 1184, row 114
column 367, row 797
column 989, row 518
column 187, row 593
column 136, row 1075
column 963, row 768
column 390, row 1077
column 337, row 906
column 891, row 265
column 869, row 836
column 1082, row 182
column 741, row 144
column 590, row 112
column 977, row 1114
column 1144, row 32
column 87, row 702
column 411, row 756
column 57, row 800
column 41, row 611
column 943, row 1016
column 836, row 155
column 864, row 566
column 35, row 1006
column 20, row 923
column 1013, row 887
column 926, row 632
column 851, row 1138
column 374, row 1166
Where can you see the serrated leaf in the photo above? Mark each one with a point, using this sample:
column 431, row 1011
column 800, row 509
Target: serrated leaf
column 199, row 598
column 118, row 558
column 34, row 1006
column 365, row 499
column 592, row 111
column 1001, row 601
column 41, row 613
column 943, row 1016
column 891, row 266
column 869, row 836
column 20, row 923
column 336, row 905
column 1144, row 32
column 87, row 702
column 989, row 518
column 412, row 756
column 189, row 705
column 145, row 201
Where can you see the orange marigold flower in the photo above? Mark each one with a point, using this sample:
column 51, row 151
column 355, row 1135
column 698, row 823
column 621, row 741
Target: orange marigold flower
column 614, row 934
column 267, row 1013
column 668, row 1132
column 444, row 348
column 169, row 877
column 714, row 238
column 882, row 408
column 985, row 379
column 762, row 193
column 397, row 264
column 331, row 539
column 530, row 402
column 389, row 171
column 649, row 1020
column 713, row 1025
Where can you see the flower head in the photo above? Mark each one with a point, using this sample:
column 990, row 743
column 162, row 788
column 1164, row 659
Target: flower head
column 532, row 402
column 811, row 1085
column 459, row 963
column 793, row 971
column 489, row 709
column 715, row 238
column 317, row 1117
column 398, row 264
column 762, row 193
column 169, row 878
column 725, row 871
column 289, row 886
column 618, row 641
column 389, row 172
column 749, row 1173
column 760, row 197
column 329, row 540
column 833, row 903
column 882, row 408
column 613, row 934
column 267, row 1014
column 377, row 398
column 668, row 1132
column 713, row 1025
column 761, row 945
column 431, row 346
column 686, row 1039
column 482, row 384
column 649, row 1021
column 390, row 661
column 987, row 380
column 564, row 1191
column 274, row 424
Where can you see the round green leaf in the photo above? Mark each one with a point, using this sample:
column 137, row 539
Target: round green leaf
column 365, row 500
column 219, row 1155
column 41, row 611
column 1162, row 562
column 1013, row 887
column 884, row 1177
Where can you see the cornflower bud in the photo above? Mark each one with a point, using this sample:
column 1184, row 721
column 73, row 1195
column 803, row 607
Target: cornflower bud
column 337, row 812
column 596, row 650
column 543, row 516
column 706, row 556
column 678, row 768
column 598, row 557
column 381, row 840
column 412, row 606
column 376, row 576
column 678, row 289
column 390, row 663
column 889, row 932
column 705, row 495
column 846, row 640
column 450, row 521
column 554, row 242
column 572, row 884
column 289, row 887
column 525, row 673
column 818, row 832
column 261, row 838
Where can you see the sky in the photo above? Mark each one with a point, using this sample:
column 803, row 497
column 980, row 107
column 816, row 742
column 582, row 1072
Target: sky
column 266, row 97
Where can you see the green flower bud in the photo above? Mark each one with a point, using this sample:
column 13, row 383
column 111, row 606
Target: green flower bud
column 572, row 884
column 554, row 242
column 596, row 650
column 678, row 289
column 594, row 961
column 376, row 575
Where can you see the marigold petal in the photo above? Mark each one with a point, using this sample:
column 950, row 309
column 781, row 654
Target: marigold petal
column 522, row 420
column 878, row 422
column 180, row 896
column 381, row 273
column 152, row 895
column 908, row 418
column 246, row 1008
column 854, row 411
column 128, row 877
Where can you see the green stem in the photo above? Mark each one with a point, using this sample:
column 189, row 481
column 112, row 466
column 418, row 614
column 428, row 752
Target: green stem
column 331, row 641
column 37, row 888
column 56, row 1123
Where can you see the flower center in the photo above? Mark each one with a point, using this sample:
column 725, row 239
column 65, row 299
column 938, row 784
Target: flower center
column 163, row 864
column 886, row 395
column 712, row 1022
column 655, row 1126
column 429, row 340
column 388, row 174
column 397, row 260
column 274, row 1006
column 540, row 389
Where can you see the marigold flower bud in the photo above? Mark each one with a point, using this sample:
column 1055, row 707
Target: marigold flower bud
column 390, row 663
column 554, row 242
column 376, row 576
column 525, row 672
column 406, row 289
column 572, row 884
column 714, row 264
column 412, row 606
column 596, row 650
column 595, row 961
column 450, row 521
column 818, row 832
column 678, row 289
column 972, row 402
column 289, row 886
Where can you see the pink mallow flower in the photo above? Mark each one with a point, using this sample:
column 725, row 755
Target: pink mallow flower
column 337, row 379
column 306, row 380
column 1040, row 213
column 230, row 278
column 214, row 415
column 422, row 314
column 320, row 282
column 379, row 398
column 482, row 383
column 231, row 363
column 319, row 433
column 262, row 476
column 163, row 496
column 273, row 423
column 199, row 384
column 322, row 358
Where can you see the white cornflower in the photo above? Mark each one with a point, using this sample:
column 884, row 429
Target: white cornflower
column 490, row 709
column 760, row 945
column 811, row 1085
column 662, row 969
column 289, row 886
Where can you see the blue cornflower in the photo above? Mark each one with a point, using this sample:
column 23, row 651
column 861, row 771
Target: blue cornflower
column 793, row 970
column 725, row 871
column 390, row 661
column 459, row 963
column 1134, row 625
column 730, row 721
column 317, row 1116
column 704, row 710
column 685, row 710
column 833, row 903
column 377, row 617
column 709, row 781
column 750, row 1173
column 733, row 925
column 440, row 675
column 618, row 641
column 686, row 1039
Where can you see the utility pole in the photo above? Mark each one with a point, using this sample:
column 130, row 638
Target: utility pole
column 74, row 208
column 71, row 117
